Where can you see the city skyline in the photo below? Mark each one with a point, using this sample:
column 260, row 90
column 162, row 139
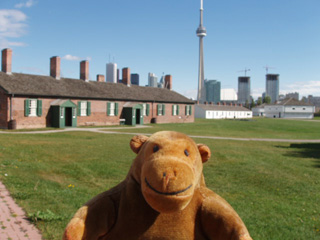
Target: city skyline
column 247, row 34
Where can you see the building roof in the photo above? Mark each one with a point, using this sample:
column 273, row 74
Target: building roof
column 222, row 108
column 261, row 105
column 45, row 86
column 293, row 102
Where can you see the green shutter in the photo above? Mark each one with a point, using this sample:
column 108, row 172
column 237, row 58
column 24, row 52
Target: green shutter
column 173, row 110
column 148, row 110
column 26, row 107
column 108, row 109
column 186, row 110
column 116, row 111
column 39, row 108
column 88, row 108
column 190, row 109
column 79, row 108
column 163, row 109
column 158, row 109
column 178, row 110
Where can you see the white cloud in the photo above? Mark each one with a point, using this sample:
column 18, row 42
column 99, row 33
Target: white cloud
column 27, row 4
column 303, row 88
column 191, row 93
column 12, row 25
column 69, row 57
column 257, row 92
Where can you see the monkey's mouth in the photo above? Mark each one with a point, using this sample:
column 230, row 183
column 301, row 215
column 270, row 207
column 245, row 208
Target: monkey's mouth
column 166, row 193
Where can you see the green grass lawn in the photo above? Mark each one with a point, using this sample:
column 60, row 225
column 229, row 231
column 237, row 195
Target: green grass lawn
column 251, row 128
column 275, row 187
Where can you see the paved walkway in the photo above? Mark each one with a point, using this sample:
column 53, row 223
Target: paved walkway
column 13, row 224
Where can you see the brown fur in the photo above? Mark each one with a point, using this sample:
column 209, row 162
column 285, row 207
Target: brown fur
column 163, row 197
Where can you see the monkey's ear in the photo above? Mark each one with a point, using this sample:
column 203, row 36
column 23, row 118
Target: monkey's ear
column 137, row 142
column 204, row 152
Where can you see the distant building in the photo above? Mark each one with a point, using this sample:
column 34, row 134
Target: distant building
column 210, row 111
column 118, row 76
column 272, row 87
column 152, row 80
column 228, row 95
column 294, row 95
column 161, row 82
column 290, row 108
column 112, row 72
column 135, row 79
column 213, row 88
column 243, row 90
column 315, row 101
column 259, row 110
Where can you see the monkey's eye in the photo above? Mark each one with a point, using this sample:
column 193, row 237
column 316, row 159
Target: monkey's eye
column 155, row 148
column 186, row 153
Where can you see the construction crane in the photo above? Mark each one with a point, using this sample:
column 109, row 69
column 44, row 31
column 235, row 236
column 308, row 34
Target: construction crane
column 245, row 71
column 267, row 68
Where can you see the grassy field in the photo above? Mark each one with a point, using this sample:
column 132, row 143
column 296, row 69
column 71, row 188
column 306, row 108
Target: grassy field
column 275, row 187
column 252, row 128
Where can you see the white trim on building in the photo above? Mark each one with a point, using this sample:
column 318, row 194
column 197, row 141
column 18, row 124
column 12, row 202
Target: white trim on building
column 221, row 112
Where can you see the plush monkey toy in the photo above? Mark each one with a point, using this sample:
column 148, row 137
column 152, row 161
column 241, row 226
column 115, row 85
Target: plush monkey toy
column 164, row 196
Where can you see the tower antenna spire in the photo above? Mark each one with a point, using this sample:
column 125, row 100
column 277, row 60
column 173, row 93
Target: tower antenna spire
column 201, row 33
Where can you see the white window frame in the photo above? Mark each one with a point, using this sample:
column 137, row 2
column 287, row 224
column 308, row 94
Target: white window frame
column 144, row 109
column 33, row 108
column 188, row 113
column 160, row 109
column 83, row 108
column 175, row 110
column 112, row 108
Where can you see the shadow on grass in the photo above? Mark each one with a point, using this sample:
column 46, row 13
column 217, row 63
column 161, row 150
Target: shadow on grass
column 306, row 150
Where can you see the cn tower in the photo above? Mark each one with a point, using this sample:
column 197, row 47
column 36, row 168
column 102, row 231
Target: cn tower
column 201, row 33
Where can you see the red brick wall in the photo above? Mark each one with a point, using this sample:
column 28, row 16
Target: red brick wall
column 98, row 115
column 168, row 117
column 3, row 110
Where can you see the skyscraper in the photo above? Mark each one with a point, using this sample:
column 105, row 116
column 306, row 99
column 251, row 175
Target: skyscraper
column 112, row 72
column 201, row 33
column 213, row 90
column 272, row 87
column 135, row 79
column 152, row 80
column 243, row 90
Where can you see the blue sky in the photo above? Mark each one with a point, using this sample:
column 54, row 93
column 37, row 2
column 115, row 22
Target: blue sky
column 159, row 37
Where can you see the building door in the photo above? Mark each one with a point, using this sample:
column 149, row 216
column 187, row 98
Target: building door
column 138, row 116
column 68, row 117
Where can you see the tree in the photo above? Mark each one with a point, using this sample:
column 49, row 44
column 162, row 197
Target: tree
column 253, row 104
column 259, row 101
column 267, row 99
column 247, row 104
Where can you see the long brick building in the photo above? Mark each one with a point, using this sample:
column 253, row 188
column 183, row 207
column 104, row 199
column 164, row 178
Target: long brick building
column 35, row 101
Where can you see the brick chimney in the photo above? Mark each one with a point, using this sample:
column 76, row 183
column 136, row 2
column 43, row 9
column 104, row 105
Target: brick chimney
column 84, row 70
column 6, row 60
column 100, row 78
column 126, row 76
column 168, row 82
column 55, row 67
